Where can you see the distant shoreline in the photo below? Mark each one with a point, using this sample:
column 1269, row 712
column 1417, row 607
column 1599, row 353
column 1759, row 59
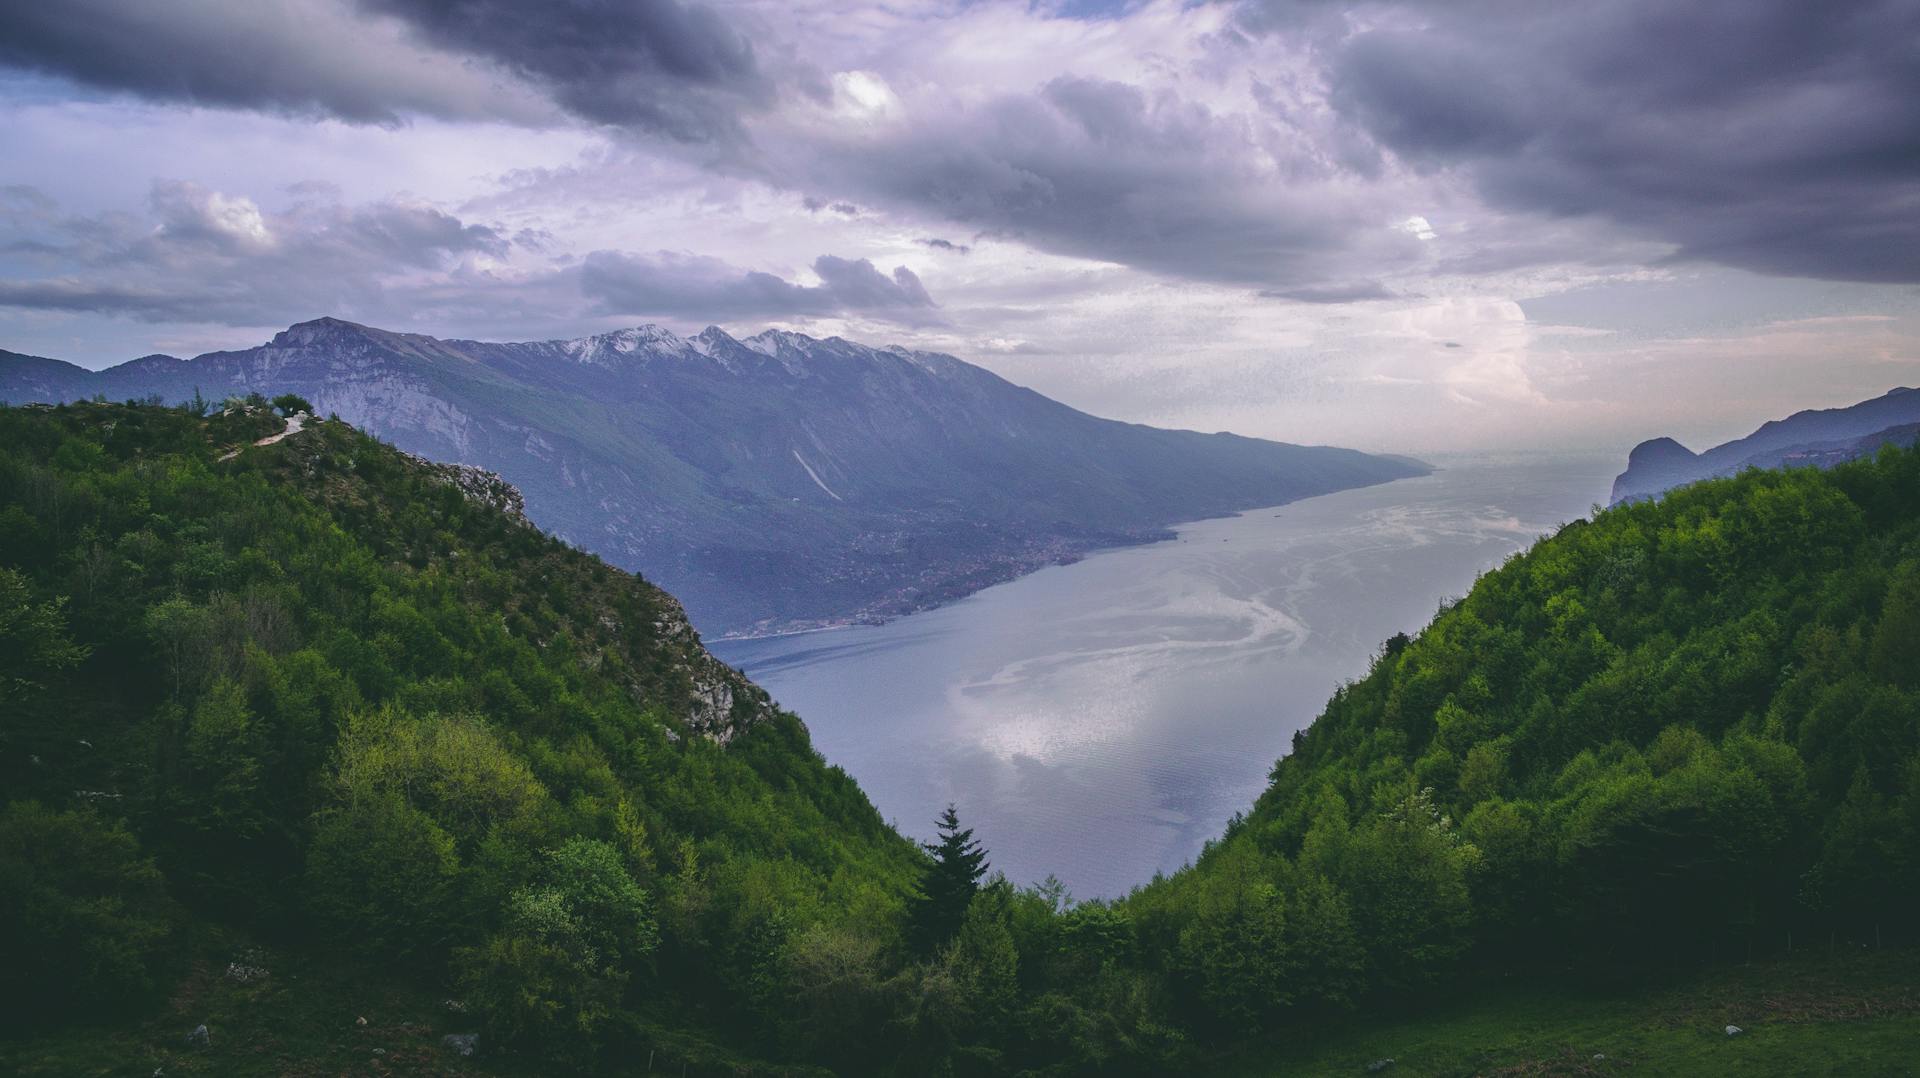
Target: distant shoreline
column 1169, row 533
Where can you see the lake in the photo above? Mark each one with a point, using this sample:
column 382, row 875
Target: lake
column 1100, row 721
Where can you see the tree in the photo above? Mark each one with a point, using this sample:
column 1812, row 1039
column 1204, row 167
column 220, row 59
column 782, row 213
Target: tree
column 84, row 914
column 289, row 403
column 558, row 971
column 948, row 885
column 382, row 874
column 34, row 646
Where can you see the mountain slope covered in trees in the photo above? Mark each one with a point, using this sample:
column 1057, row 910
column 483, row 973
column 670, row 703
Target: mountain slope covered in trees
column 1679, row 731
column 325, row 691
column 325, row 697
column 772, row 482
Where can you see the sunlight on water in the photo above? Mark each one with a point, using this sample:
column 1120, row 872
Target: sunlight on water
column 1100, row 721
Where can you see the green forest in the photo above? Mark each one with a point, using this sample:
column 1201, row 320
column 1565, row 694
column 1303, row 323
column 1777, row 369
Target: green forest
column 316, row 697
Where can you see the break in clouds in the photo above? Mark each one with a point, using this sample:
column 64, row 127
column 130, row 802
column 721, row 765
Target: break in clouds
column 1302, row 159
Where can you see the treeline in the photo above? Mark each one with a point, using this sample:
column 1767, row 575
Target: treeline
column 314, row 691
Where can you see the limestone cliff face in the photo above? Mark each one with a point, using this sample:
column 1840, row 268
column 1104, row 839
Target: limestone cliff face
column 724, row 702
column 481, row 486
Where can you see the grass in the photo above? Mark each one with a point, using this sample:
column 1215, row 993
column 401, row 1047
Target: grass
column 1853, row 1014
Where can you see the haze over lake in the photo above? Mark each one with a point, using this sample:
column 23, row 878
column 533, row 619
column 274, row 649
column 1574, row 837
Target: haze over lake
column 1100, row 721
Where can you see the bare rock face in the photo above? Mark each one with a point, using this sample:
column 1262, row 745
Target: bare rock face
column 480, row 486
column 723, row 703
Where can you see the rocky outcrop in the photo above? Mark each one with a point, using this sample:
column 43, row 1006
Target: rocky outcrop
column 480, row 486
column 723, row 702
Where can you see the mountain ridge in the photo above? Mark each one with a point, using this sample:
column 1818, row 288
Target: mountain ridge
column 1811, row 436
column 774, row 482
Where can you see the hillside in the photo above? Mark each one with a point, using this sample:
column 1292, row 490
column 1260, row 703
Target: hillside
column 326, row 696
column 1683, row 732
column 1813, row 438
column 301, row 733
column 769, row 483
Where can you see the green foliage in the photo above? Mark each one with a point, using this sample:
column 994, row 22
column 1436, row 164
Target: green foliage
column 34, row 645
column 570, row 946
column 381, row 876
column 289, row 403
column 948, row 886
column 84, row 915
column 1684, row 728
column 343, row 704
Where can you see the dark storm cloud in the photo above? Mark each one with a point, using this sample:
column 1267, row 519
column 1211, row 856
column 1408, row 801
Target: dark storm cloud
column 658, row 65
column 200, row 256
column 307, row 57
column 698, row 287
column 1772, row 135
column 1110, row 171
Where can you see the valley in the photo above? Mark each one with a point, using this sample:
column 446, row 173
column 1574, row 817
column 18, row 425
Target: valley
column 1101, row 722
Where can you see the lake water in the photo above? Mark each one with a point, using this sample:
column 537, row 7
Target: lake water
column 1100, row 721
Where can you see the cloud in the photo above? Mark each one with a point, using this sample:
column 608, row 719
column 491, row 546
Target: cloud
column 699, row 287
column 663, row 66
column 199, row 255
column 939, row 244
column 1353, row 292
column 1767, row 135
column 660, row 67
column 301, row 57
column 1120, row 173
column 204, row 256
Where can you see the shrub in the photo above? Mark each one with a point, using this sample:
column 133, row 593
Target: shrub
column 289, row 403
column 84, row 915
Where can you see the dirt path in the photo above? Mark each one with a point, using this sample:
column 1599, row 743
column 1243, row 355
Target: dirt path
column 295, row 423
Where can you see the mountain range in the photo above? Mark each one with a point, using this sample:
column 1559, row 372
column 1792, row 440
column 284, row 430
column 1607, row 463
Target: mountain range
column 1812, row 438
column 773, row 482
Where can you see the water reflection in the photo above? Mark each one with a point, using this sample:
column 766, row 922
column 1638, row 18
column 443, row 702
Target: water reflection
column 1101, row 720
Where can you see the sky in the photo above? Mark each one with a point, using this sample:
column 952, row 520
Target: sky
column 1413, row 225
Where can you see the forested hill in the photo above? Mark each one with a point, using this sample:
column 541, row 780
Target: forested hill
column 1683, row 730
column 307, row 730
column 339, row 696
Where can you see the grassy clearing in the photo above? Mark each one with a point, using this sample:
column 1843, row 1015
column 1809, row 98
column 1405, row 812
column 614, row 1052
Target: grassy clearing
column 1850, row 1015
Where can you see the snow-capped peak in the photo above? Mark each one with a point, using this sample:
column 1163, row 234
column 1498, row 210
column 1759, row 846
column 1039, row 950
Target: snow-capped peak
column 608, row 348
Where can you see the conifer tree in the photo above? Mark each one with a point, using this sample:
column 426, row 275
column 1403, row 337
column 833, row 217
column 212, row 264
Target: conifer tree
column 948, row 886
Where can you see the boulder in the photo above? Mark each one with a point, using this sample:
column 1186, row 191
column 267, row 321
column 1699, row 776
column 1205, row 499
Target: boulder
column 464, row 1044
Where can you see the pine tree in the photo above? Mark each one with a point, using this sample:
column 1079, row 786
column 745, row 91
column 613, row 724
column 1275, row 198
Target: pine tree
column 948, row 886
